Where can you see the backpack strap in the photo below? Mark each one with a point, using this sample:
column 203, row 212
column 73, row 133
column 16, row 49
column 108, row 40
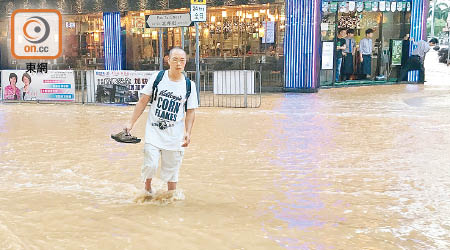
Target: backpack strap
column 158, row 79
column 188, row 92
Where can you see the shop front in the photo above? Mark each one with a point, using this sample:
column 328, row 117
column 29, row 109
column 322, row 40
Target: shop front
column 390, row 22
column 292, row 43
column 312, row 34
column 243, row 37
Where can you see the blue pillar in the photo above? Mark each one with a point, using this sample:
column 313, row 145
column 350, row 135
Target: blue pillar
column 112, row 41
column 301, row 45
column 418, row 31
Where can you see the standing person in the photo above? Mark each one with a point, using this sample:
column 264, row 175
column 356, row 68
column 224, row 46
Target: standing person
column 27, row 91
column 349, row 52
column 12, row 92
column 340, row 47
column 417, row 59
column 365, row 49
column 166, row 133
column 405, row 50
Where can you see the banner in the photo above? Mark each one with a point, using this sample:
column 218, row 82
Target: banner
column 121, row 86
column 396, row 48
column 327, row 55
column 269, row 32
column 56, row 85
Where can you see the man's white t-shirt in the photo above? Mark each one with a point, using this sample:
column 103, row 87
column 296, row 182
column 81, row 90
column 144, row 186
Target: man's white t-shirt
column 165, row 123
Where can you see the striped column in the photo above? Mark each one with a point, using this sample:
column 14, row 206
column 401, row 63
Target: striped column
column 419, row 12
column 301, row 45
column 112, row 44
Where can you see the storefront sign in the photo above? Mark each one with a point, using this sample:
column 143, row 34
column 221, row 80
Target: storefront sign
column 368, row 6
column 333, row 6
column 343, row 7
column 393, row 6
column 383, row 6
column 375, row 6
column 327, row 55
column 126, row 85
column 167, row 21
column 269, row 32
column 351, row 6
column 56, row 85
column 198, row 12
column 325, row 6
column 397, row 52
column 399, row 6
column 359, row 6
column 388, row 6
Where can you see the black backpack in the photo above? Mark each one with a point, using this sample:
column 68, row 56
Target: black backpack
column 159, row 78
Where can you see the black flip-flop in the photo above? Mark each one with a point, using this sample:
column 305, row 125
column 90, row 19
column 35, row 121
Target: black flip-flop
column 124, row 137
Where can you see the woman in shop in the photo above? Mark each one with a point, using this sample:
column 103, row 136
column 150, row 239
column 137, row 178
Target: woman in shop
column 28, row 93
column 12, row 92
column 349, row 52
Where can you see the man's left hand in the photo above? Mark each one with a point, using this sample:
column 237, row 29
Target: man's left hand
column 186, row 140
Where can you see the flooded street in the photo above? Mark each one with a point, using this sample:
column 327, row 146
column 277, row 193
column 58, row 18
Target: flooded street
column 349, row 168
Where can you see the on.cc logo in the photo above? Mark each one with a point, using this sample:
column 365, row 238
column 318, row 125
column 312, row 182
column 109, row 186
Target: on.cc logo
column 39, row 25
column 36, row 34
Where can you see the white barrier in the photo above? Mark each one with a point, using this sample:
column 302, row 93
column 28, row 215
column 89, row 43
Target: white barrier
column 234, row 82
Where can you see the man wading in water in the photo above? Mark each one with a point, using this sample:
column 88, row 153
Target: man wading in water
column 166, row 132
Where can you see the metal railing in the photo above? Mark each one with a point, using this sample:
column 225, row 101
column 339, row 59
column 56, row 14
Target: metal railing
column 229, row 89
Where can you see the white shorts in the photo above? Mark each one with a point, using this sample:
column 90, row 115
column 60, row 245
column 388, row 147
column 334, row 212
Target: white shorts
column 170, row 163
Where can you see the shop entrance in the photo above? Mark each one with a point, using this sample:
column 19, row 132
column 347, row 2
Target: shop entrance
column 390, row 25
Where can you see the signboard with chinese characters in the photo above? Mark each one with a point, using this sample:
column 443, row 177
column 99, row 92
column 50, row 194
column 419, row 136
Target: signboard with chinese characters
column 55, row 85
column 198, row 12
column 119, row 86
column 167, row 21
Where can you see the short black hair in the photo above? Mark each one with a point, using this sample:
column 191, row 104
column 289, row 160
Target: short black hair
column 340, row 30
column 434, row 40
column 368, row 31
column 350, row 31
column 13, row 75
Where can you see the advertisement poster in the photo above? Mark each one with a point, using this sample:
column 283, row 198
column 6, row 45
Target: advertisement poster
column 397, row 52
column 55, row 85
column 327, row 55
column 269, row 32
column 121, row 86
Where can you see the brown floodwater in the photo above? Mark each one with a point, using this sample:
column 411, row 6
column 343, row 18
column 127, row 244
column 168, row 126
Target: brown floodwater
column 349, row 168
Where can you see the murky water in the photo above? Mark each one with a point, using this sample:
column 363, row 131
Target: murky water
column 351, row 168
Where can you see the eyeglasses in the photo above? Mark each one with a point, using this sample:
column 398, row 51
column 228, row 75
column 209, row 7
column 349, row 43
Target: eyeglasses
column 177, row 60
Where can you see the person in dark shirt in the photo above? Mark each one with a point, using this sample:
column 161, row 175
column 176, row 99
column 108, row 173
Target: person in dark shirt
column 405, row 50
column 340, row 47
column 349, row 52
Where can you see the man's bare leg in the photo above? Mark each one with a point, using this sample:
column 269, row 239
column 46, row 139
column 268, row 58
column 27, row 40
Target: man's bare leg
column 171, row 185
column 148, row 185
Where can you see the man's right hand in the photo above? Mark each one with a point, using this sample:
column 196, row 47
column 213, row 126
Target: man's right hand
column 362, row 59
column 128, row 128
